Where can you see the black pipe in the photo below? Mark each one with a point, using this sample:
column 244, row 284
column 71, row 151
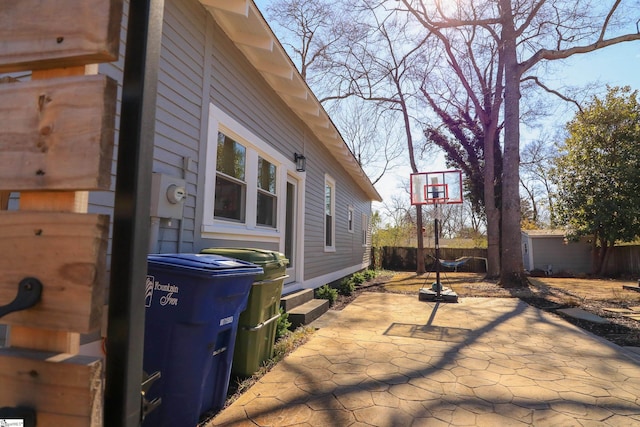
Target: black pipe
column 437, row 245
column 125, row 339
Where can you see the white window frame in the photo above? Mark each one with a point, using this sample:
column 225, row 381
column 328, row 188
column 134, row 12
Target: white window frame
column 219, row 228
column 329, row 181
column 350, row 219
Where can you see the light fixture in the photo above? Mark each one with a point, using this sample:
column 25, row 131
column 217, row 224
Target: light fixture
column 301, row 162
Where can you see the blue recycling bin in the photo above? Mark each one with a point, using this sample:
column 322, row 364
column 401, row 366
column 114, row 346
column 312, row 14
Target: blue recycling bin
column 192, row 306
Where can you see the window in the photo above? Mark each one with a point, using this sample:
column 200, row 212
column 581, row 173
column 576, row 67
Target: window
column 231, row 188
column 233, row 165
column 350, row 219
column 267, row 200
column 245, row 185
column 329, row 213
column 365, row 229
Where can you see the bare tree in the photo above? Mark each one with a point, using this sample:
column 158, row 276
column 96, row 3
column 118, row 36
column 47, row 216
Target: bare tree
column 372, row 135
column 524, row 34
column 379, row 68
column 311, row 31
column 319, row 35
column 537, row 160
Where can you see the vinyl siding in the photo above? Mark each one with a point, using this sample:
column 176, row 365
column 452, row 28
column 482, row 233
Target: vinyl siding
column 349, row 252
column 199, row 65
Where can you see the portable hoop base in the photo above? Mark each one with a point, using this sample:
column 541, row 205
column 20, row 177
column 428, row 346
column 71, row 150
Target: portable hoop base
column 446, row 295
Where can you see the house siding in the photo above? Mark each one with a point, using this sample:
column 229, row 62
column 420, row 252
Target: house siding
column 198, row 66
column 349, row 252
column 241, row 92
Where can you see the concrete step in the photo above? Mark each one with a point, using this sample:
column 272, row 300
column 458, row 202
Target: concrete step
column 295, row 299
column 307, row 312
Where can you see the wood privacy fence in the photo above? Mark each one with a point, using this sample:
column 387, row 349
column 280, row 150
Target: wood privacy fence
column 624, row 261
column 405, row 259
column 56, row 144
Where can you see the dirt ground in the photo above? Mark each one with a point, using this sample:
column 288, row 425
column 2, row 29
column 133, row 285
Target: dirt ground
column 605, row 298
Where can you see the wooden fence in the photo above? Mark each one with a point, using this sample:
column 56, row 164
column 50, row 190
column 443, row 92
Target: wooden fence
column 405, row 259
column 624, row 261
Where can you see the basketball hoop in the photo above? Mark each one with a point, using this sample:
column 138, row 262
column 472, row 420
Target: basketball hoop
column 437, row 188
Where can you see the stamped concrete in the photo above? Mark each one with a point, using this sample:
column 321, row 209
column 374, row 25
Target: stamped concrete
column 392, row 360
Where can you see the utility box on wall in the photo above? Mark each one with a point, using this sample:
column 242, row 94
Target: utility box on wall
column 168, row 194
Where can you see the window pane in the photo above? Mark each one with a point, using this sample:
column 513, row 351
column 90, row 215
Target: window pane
column 327, row 199
column 266, row 209
column 365, row 228
column 266, row 176
column 350, row 219
column 328, row 215
column 328, row 240
column 231, row 156
column 230, row 199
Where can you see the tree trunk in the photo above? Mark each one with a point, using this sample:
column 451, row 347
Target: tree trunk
column 600, row 255
column 492, row 212
column 512, row 270
column 420, row 266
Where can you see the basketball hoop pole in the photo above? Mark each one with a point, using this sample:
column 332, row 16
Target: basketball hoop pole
column 436, row 189
column 436, row 240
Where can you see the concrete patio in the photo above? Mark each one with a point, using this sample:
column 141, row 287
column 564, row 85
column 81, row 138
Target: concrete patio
column 392, row 360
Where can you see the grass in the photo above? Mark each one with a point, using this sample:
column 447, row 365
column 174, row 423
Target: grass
column 570, row 291
column 464, row 284
column 573, row 290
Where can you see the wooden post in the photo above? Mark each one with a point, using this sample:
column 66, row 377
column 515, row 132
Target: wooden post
column 56, row 144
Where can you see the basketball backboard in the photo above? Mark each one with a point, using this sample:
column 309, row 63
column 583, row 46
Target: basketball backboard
column 430, row 188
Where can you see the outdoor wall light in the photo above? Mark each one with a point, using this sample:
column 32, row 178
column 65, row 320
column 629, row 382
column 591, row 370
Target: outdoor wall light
column 301, row 162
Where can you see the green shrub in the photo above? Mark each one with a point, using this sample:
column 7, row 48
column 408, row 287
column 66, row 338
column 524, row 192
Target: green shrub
column 346, row 286
column 370, row 274
column 327, row 292
column 283, row 325
column 358, row 278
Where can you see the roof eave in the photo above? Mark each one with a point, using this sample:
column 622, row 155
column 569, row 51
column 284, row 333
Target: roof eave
column 243, row 23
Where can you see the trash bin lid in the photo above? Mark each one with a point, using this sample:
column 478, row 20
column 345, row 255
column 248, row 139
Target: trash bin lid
column 255, row 256
column 210, row 263
column 274, row 263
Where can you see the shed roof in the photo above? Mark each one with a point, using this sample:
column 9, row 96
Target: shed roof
column 242, row 21
column 545, row 233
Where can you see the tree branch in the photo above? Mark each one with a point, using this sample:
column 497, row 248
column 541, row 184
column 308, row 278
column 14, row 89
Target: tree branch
column 565, row 53
column 552, row 91
column 607, row 19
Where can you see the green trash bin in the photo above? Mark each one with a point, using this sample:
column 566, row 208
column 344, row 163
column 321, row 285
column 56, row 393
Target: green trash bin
column 257, row 324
